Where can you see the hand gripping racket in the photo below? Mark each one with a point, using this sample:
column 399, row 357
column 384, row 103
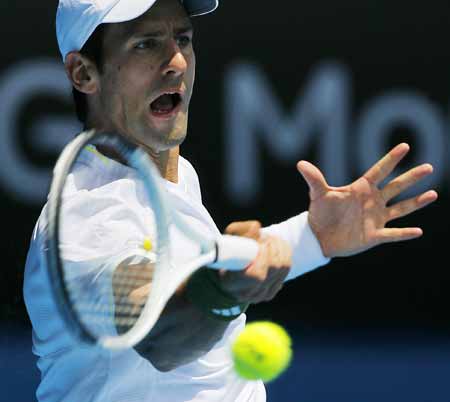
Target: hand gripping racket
column 115, row 298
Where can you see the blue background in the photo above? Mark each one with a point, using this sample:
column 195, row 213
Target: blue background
column 331, row 365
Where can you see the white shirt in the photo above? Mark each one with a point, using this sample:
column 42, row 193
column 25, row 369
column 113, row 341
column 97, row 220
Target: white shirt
column 108, row 212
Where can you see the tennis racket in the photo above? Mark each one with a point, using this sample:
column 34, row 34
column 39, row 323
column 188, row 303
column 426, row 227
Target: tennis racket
column 114, row 298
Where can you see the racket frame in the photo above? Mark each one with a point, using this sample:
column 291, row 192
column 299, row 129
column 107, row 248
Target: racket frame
column 138, row 160
column 54, row 263
column 235, row 252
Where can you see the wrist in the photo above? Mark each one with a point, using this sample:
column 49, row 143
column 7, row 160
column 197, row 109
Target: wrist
column 204, row 290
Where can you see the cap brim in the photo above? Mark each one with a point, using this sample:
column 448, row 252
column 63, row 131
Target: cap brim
column 200, row 7
column 123, row 11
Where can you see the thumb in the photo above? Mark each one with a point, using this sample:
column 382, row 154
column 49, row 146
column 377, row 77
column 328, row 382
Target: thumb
column 314, row 178
column 249, row 229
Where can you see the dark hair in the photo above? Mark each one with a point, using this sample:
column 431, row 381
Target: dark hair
column 92, row 49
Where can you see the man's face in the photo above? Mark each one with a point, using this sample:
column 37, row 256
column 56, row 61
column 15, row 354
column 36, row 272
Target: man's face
column 147, row 77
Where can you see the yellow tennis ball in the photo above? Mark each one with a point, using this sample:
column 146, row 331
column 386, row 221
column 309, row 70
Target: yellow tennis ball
column 262, row 351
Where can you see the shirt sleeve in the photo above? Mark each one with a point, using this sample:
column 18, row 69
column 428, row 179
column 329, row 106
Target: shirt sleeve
column 306, row 251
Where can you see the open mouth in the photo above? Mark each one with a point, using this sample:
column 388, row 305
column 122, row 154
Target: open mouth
column 166, row 104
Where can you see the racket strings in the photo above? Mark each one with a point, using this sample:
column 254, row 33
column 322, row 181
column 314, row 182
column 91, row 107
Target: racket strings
column 116, row 302
column 105, row 297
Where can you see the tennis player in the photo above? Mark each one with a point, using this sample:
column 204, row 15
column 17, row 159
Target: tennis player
column 132, row 67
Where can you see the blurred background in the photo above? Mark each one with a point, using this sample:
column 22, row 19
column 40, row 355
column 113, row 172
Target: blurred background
column 336, row 83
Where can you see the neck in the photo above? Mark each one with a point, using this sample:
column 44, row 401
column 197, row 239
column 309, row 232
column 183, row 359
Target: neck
column 167, row 163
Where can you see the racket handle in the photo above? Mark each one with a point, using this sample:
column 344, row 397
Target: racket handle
column 234, row 253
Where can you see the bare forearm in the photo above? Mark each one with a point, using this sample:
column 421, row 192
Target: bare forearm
column 182, row 334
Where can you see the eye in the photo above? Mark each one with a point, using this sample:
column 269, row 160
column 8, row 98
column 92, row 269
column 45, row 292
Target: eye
column 184, row 41
column 146, row 44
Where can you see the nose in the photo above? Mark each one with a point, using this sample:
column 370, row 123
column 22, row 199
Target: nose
column 176, row 64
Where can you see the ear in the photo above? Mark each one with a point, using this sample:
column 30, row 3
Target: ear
column 82, row 73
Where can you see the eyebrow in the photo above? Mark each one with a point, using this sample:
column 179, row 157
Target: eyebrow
column 159, row 33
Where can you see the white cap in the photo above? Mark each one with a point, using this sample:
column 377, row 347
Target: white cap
column 76, row 20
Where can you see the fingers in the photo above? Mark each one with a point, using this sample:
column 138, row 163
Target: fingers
column 406, row 180
column 262, row 280
column 274, row 254
column 249, row 229
column 389, row 235
column 314, row 178
column 280, row 253
column 410, row 205
column 403, row 208
column 378, row 172
column 245, row 285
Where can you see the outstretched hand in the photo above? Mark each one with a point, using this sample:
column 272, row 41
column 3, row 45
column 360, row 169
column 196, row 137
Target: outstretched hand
column 350, row 219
